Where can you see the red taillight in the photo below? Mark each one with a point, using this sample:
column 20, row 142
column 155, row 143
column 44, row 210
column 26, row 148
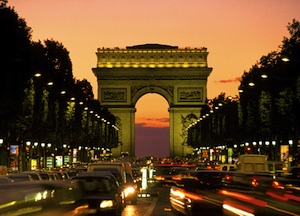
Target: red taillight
column 228, row 177
column 275, row 184
column 160, row 178
column 254, row 182
column 176, row 178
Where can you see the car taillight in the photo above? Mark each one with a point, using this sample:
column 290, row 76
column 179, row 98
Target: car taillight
column 159, row 178
column 228, row 177
column 276, row 184
column 254, row 182
column 176, row 178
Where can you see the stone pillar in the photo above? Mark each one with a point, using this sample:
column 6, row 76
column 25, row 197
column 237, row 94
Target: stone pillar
column 126, row 131
column 179, row 121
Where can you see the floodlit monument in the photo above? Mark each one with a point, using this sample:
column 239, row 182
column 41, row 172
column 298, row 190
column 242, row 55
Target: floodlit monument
column 178, row 74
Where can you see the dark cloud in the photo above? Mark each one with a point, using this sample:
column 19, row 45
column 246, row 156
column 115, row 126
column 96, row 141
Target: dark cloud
column 155, row 123
column 157, row 119
column 237, row 79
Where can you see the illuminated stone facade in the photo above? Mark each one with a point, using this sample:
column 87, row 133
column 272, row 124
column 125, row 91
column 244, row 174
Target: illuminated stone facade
column 179, row 75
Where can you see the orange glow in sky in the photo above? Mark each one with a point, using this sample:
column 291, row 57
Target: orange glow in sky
column 156, row 115
column 237, row 33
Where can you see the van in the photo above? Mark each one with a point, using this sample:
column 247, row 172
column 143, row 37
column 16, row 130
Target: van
column 253, row 163
column 116, row 168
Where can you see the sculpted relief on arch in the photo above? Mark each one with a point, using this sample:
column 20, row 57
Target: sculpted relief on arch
column 186, row 121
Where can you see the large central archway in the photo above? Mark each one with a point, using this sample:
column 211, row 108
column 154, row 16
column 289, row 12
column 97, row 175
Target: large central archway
column 152, row 126
column 179, row 75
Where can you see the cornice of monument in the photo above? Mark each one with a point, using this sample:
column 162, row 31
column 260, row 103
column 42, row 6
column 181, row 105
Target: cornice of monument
column 200, row 73
column 152, row 56
column 155, row 77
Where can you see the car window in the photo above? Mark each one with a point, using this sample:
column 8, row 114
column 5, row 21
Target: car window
column 224, row 168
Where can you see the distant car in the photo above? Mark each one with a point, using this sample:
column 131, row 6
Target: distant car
column 137, row 176
column 5, row 179
column 19, row 177
column 163, row 173
column 227, row 167
column 293, row 172
column 209, row 179
column 289, row 179
column 131, row 190
column 36, row 176
column 99, row 193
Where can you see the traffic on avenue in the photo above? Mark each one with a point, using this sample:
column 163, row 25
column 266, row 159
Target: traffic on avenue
column 150, row 187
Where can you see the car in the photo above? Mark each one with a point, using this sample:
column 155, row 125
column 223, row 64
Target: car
column 227, row 167
column 186, row 198
column 36, row 176
column 137, row 177
column 293, row 172
column 219, row 193
column 131, row 190
column 99, row 193
column 209, row 179
column 19, row 177
column 5, row 180
column 164, row 173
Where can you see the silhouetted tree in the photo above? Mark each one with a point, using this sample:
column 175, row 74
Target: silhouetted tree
column 15, row 39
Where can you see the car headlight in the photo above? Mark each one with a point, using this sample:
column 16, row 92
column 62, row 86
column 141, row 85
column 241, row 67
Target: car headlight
column 129, row 190
column 106, row 204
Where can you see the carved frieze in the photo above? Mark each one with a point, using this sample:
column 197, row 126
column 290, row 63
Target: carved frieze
column 113, row 94
column 190, row 94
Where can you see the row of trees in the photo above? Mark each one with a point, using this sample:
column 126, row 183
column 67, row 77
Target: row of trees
column 40, row 99
column 268, row 106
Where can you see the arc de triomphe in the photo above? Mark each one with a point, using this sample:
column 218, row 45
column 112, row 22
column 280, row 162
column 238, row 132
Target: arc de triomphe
column 179, row 75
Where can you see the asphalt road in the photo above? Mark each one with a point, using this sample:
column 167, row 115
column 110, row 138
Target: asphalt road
column 158, row 204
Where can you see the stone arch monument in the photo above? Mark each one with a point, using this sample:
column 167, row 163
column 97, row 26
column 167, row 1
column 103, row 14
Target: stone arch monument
column 179, row 75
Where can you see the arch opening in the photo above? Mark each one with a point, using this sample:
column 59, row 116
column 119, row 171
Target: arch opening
column 152, row 126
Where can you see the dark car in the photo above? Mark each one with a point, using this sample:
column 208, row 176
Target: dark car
column 99, row 193
column 208, row 179
column 5, row 180
column 164, row 173
column 131, row 190
column 35, row 176
column 188, row 197
column 20, row 177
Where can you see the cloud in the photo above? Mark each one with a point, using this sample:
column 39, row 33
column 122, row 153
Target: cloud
column 155, row 123
column 237, row 79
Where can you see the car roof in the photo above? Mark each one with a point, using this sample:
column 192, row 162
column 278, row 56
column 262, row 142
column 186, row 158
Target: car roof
column 99, row 174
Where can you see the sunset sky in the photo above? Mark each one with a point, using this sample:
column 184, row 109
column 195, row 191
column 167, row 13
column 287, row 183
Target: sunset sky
column 236, row 33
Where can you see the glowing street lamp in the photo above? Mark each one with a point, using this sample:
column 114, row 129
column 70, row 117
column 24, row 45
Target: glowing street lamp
column 285, row 59
column 38, row 74
column 264, row 76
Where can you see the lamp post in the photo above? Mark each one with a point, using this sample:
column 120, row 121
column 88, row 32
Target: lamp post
column 43, row 158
